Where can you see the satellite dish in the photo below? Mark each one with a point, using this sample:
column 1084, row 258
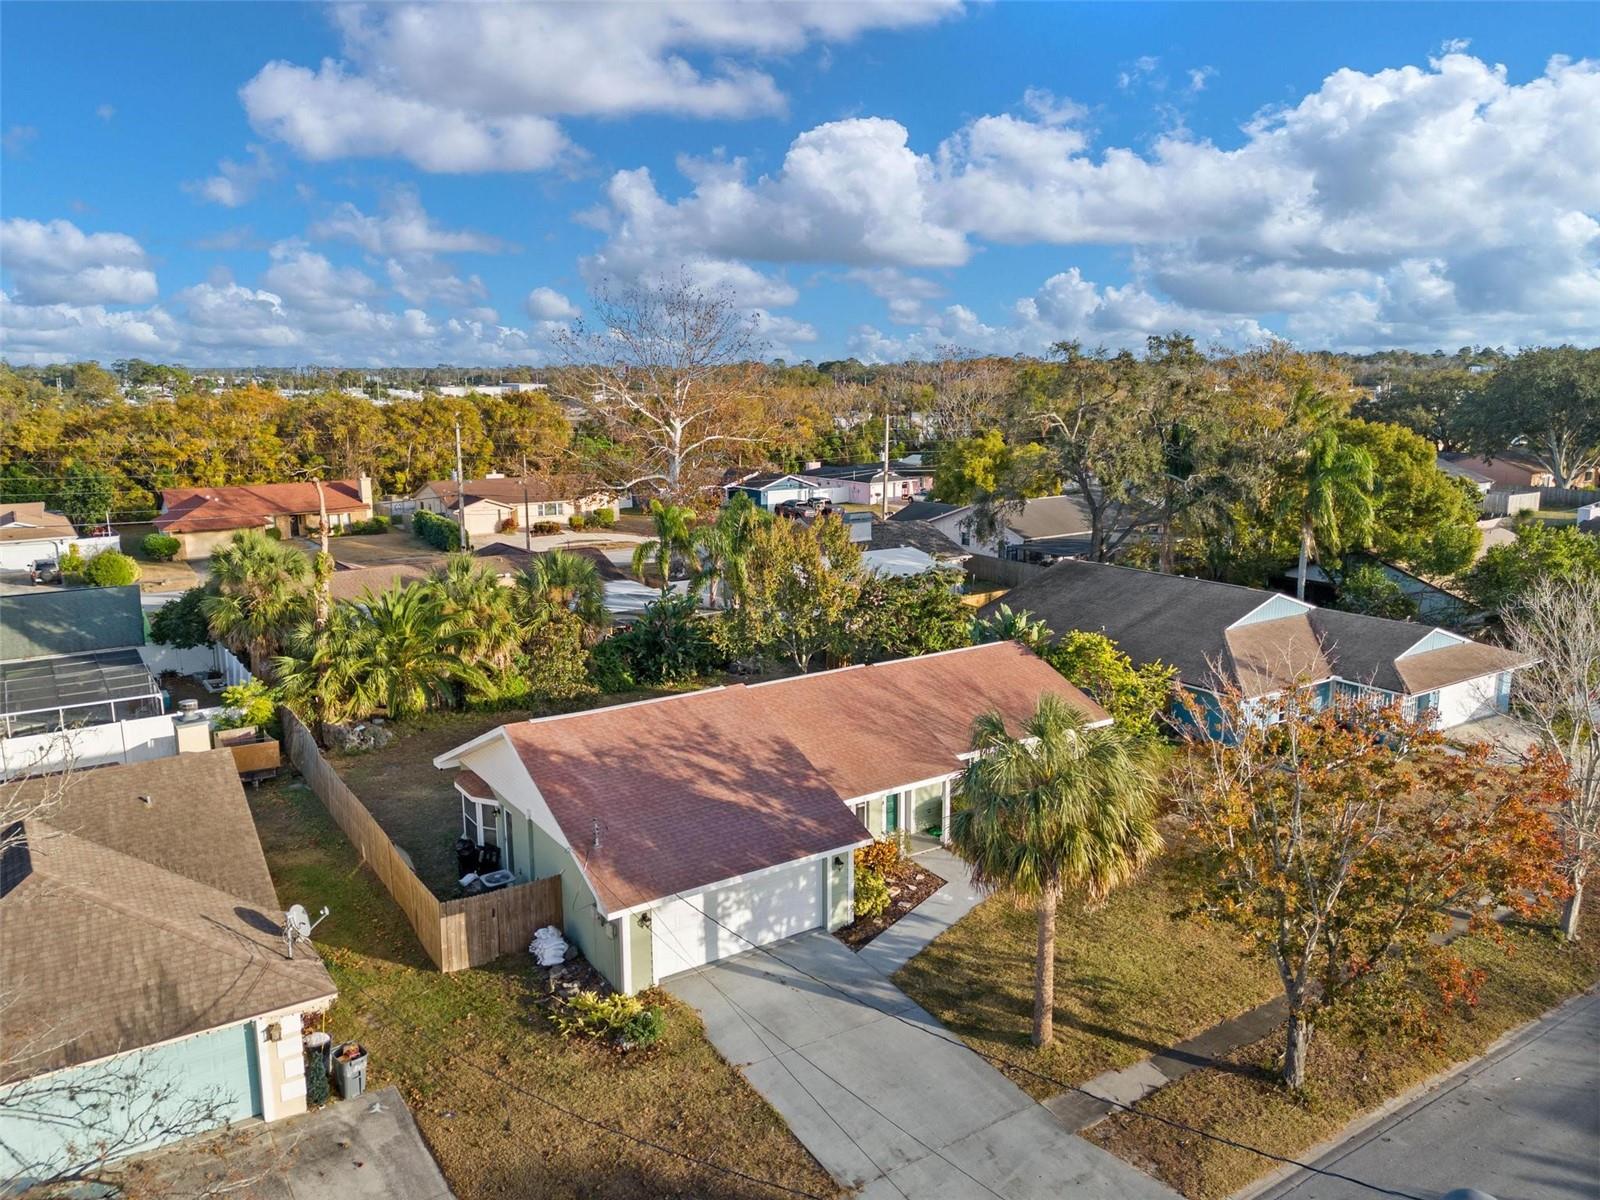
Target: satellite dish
column 297, row 926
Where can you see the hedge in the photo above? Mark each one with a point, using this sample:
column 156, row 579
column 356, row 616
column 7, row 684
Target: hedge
column 439, row 532
column 161, row 547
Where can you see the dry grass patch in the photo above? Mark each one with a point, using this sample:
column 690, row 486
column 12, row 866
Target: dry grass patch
column 1347, row 1075
column 470, row 1050
column 1132, row 978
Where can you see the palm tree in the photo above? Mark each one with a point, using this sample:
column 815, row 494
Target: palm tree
column 471, row 597
column 561, row 579
column 316, row 668
column 407, row 654
column 259, row 590
column 1064, row 805
column 673, row 542
column 720, row 548
column 1329, row 489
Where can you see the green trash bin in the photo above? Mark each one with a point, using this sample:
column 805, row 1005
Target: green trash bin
column 350, row 1069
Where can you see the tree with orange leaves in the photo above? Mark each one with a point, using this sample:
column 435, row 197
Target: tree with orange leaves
column 1338, row 837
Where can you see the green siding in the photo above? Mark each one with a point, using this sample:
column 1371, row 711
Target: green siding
column 594, row 936
column 49, row 1130
column 641, row 953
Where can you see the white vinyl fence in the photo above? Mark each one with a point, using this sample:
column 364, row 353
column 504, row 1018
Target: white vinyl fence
column 92, row 746
column 195, row 660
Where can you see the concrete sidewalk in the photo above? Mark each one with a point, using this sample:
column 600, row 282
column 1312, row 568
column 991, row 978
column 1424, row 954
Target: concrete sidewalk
column 884, row 1097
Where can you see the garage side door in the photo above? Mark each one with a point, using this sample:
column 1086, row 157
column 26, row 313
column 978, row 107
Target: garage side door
column 695, row 930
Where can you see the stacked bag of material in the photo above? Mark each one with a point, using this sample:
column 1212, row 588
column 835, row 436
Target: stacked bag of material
column 548, row 946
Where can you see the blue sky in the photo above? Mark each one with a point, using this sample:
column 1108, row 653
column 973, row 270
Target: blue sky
column 279, row 183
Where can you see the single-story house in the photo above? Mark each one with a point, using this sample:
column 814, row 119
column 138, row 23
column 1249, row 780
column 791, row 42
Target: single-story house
column 693, row 827
column 863, row 483
column 488, row 504
column 625, row 594
column 205, row 519
column 1457, row 465
column 30, row 532
column 1046, row 527
column 1511, row 469
column 1265, row 642
column 770, row 490
column 351, row 583
column 910, row 548
column 149, row 995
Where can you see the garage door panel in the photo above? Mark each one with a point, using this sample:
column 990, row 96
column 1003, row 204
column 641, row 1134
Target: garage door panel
column 707, row 926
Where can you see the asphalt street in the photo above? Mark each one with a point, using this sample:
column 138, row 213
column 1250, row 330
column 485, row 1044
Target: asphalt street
column 1521, row 1124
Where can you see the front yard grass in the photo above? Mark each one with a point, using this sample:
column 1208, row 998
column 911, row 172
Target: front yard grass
column 1346, row 1075
column 1132, row 978
column 467, row 1050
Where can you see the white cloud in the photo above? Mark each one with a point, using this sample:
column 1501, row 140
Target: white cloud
column 235, row 183
column 404, row 229
column 547, row 304
column 17, row 138
column 477, row 87
column 105, row 111
column 56, row 262
column 1341, row 203
column 35, row 334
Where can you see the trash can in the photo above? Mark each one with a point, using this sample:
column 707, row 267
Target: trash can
column 466, row 856
column 350, row 1069
column 488, row 859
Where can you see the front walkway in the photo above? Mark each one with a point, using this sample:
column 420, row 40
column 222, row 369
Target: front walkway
column 876, row 1089
column 906, row 938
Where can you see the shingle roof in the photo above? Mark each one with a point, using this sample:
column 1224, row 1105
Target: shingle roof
column 509, row 559
column 512, row 491
column 355, row 582
column 1048, row 516
column 125, row 923
column 1184, row 622
column 925, row 510
column 33, row 522
column 891, row 534
column 191, row 510
column 687, row 791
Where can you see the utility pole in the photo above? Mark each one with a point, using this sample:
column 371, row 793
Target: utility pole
column 461, row 488
column 885, row 460
column 527, row 525
column 325, row 558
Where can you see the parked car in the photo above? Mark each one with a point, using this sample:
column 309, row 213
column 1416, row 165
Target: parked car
column 45, row 570
column 804, row 510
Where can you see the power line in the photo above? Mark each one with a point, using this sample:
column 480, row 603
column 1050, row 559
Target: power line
column 1221, row 1139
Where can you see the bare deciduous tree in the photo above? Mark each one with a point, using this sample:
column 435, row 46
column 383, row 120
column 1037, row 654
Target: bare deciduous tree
column 669, row 373
column 1558, row 700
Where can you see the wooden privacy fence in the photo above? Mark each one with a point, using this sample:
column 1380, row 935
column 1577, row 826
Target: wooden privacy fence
column 455, row 933
column 1554, row 497
column 1006, row 571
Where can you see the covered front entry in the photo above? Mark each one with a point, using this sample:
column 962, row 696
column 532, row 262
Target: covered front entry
column 701, row 928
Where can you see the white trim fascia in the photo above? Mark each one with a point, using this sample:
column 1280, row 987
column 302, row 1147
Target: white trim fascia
column 320, row 1003
column 452, row 758
column 902, row 787
column 646, row 906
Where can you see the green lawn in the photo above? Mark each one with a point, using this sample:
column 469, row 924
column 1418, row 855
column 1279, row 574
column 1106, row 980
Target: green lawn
column 469, row 1050
column 1347, row 1076
column 1131, row 979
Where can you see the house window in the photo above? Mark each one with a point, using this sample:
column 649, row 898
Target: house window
column 479, row 821
column 552, row 509
column 1420, row 707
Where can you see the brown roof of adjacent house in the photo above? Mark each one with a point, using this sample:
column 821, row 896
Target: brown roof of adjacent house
column 355, row 582
column 1193, row 625
column 246, row 506
column 673, row 795
column 33, row 522
column 508, row 559
column 512, row 491
column 136, row 907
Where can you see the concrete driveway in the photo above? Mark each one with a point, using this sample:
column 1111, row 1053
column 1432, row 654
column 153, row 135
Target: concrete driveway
column 878, row 1091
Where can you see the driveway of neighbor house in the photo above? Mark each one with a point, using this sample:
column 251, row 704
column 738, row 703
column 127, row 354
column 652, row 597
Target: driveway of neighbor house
column 880, row 1094
column 368, row 1148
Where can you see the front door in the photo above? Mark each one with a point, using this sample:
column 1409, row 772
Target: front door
column 891, row 813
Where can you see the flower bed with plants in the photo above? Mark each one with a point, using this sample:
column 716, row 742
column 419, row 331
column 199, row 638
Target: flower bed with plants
column 889, row 884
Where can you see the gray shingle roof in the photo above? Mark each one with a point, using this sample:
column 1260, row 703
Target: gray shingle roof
column 1184, row 622
column 925, row 510
column 69, row 621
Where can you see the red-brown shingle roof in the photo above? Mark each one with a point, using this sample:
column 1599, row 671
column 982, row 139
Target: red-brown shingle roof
column 669, row 796
column 192, row 510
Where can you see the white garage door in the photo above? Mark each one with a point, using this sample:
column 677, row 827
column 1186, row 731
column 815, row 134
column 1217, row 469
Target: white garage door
column 706, row 926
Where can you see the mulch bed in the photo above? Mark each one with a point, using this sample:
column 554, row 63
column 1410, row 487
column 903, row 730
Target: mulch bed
column 909, row 886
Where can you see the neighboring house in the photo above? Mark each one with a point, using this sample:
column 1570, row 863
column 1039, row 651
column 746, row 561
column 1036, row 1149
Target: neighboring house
column 863, row 483
column 1046, row 527
column 30, row 532
column 692, row 827
column 625, row 594
column 205, row 519
column 144, row 967
column 1264, row 642
column 352, row 583
column 488, row 504
column 910, row 548
column 768, row 491
column 1457, row 466
column 1510, row 470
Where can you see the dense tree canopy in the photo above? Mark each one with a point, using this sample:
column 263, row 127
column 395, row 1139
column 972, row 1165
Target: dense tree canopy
column 1544, row 403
